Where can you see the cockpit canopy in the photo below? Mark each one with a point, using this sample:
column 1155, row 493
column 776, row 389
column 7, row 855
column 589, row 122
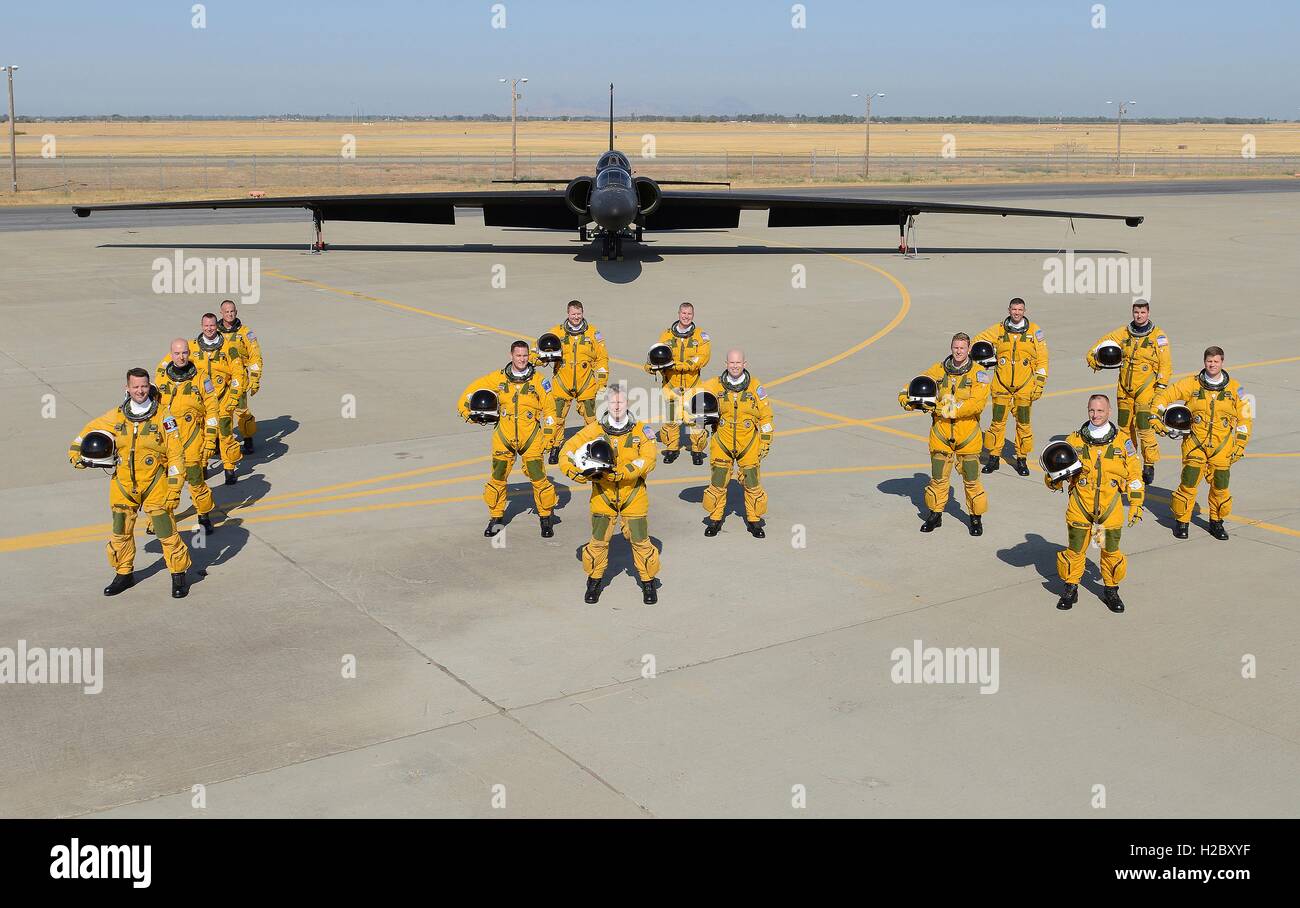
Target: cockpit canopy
column 613, row 159
column 613, row 176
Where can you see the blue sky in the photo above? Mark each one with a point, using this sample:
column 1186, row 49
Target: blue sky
column 708, row 56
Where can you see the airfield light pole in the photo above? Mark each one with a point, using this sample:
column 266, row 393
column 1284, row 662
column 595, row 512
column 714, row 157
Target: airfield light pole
column 514, row 129
column 1119, row 128
column 13, row 148
column 866, row 156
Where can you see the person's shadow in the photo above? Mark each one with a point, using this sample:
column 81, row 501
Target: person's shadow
column 735, row 499
column 913, row 488
column 248, row 489
column 207, row 550
column 520, row 500
column 268, row 442
column 620, row 558
column 1040, row 554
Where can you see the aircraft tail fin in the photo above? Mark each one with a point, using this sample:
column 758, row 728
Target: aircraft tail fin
column 611, row 116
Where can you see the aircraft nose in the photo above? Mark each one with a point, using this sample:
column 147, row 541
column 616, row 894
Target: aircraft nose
column 612, row 210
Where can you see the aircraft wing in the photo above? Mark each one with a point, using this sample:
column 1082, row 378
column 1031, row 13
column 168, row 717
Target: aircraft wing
column 686, row 210
column 546, row 208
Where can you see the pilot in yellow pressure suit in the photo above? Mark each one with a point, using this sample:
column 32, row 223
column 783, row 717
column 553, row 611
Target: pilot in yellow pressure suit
column 250, row 351
column 1221, row 418
column 617, row 495
column 147, row 477
column 740, row 441
column 1145, row 371
column 524, row 429
column 192, row 400
column 222, row 363
column 690, row 348
column 1018, row 380
column 1110, row 470
column 955, row 432
column 581, row 373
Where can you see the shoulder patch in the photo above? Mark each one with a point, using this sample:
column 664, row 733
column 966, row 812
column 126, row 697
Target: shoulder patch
column 1135, row 485
column 984, row 376
column 169, row 424
column 704, row 335
column 546, row 385
column 207, row 385
column 599, row 336
column 252, row 336
column 1161, row 340
column 1128, row 448
column 762, row 395
column 1039, row 334
column 649, row 432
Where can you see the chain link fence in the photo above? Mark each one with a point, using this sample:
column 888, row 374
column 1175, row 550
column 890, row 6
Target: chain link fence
column 145, row 176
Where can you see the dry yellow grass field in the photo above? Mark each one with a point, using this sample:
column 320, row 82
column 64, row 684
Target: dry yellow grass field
column 296, row 137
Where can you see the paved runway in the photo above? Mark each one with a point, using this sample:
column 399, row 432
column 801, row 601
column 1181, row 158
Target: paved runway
column 485, row 687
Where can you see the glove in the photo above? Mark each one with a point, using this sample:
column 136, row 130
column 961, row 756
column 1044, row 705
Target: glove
column 1092, row 363
column 762, row 451
column 1037, row 391
column 79, row 465
column 252, row 388
column 1053, row 484
column 1134, row 516
column 1238, row 453
column 948, row 407
column 1158, row 426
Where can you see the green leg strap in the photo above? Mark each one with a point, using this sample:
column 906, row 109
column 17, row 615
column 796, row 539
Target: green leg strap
column 1144, row 419
column 719, row 477
column 535, row 470
column 588, row 406
column 1123, row 418
column 163, row 525
column 1022, row 416
column 936, row 467
column 970, row 468
column 599, row 526
column 1190, row 476
column 999, row 412
column 750, row 475
column 194, row 474
column 119, row 523
column 1220, row 479
column 638, row 528
column 1111, row 540
column 1078, row 539
column 499, row 468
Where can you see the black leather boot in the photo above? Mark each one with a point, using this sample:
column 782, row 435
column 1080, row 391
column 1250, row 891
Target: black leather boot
column 1148, row 474
column 547, row 529
column 711, row 527
column 648, row 594
column 121, row 583
column 554, row 457
column 593, row 591
column 494, row 526
column 1021, row 467
column 1069, row 597
column 1110, row 595
column 1180, row 531
column 231, row 478
column 697, row 458
column 755, row 529
column 992, row 465
column 976, row 526
column 206, row 522
column 931, row 522
column 180, row 585
column 247, row 446
column 1217, row 530
column 670, row 455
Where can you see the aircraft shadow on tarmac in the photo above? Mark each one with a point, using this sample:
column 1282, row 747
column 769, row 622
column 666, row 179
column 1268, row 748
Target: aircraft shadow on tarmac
column 615, row 272
column 1040, row 554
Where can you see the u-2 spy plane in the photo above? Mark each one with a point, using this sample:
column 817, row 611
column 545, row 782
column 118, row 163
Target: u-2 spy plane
column 611, row 206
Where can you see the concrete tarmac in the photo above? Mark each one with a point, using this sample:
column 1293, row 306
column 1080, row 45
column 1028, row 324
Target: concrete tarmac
column 484, row 686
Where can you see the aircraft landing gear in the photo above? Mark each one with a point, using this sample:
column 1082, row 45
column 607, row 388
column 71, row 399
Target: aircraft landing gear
column 582, row 233
column 611, row 247
column 319, row 244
